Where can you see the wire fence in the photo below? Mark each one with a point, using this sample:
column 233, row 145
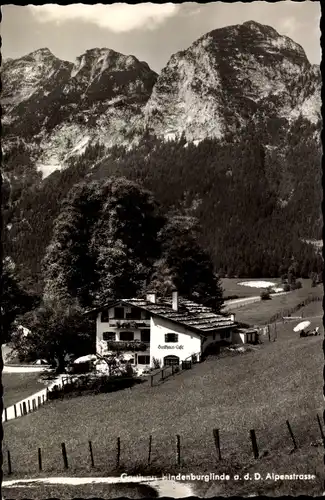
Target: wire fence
column 94, row 460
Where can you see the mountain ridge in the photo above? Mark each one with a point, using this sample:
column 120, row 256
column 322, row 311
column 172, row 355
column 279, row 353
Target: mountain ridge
column 63, row 121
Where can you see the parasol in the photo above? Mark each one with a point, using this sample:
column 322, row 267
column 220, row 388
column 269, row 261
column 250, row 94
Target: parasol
column 84, row 359
column 301, row 326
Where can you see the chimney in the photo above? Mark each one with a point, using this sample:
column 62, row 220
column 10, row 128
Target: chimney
column 152, row 297
column 175, row 300
column 232, row 317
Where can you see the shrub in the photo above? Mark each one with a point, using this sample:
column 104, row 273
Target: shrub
column 94, row 384
column 265, row 295
column 156, row 363
column 286, row 288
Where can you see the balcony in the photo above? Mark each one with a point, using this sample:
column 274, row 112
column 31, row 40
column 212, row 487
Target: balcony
column 127, row 345
column 129, row 325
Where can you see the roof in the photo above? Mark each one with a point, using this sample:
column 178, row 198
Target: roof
column 193, row 316
column 190, row 314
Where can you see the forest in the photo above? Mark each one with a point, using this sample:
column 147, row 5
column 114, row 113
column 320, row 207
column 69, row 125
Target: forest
column 256, row 195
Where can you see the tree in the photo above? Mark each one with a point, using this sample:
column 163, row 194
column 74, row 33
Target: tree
column 184, row 264
column 14, row 300
column 57, row 330
column 104, row 243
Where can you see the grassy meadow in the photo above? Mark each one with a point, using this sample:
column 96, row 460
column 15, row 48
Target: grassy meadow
column 260, row 389
column 18, row 386
column 260, row 313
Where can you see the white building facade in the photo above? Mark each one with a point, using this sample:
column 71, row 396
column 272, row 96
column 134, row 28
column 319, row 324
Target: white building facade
column 150, row 333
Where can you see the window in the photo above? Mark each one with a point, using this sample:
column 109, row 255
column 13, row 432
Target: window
column 146, row 315
column 126, row 335
column 171, row 360
column 224, row 335
column 134, row 314
column 119, row 313
column 110, row 336
column 145, row 335
column 171, row 337
column 104, row 316
column 143, row 360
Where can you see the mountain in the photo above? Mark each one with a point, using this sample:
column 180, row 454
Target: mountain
column 55, row 108
column 241, row 103
column 229, row 75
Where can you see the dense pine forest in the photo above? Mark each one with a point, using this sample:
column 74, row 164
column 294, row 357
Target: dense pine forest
column 256, row 195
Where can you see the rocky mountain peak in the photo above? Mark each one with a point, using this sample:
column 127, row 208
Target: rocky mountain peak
column 224, row 77
column 213, row 87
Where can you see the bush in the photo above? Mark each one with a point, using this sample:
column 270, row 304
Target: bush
column 265, row 295
column 93, row 384
column 286, row 288
column 156, row 363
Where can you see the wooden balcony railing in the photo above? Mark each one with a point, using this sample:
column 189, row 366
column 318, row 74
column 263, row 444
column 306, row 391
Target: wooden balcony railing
column 127, row 345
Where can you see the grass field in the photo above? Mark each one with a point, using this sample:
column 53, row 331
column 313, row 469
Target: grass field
column 261, row 312
column 17, row 386
column 231, row 286
column 260, row 390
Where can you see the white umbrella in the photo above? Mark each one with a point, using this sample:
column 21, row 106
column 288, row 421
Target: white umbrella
column 40, row 362
column 84, row 359
column 128, row 356
column 301, row 326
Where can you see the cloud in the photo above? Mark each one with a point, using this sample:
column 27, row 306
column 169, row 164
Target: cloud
column 290, row 25
column 118, row 17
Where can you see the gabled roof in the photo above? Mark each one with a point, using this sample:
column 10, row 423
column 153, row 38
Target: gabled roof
column 193, row 316
column 190, row 314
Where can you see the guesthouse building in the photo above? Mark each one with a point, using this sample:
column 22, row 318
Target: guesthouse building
column 154, row 332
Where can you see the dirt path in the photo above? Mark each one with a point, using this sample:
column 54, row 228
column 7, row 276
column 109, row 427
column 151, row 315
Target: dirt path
column 164, row 487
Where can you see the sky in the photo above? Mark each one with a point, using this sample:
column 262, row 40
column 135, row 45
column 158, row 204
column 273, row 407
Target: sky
column 151, row 32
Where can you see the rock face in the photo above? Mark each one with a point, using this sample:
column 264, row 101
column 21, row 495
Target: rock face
column 59, row 107
column 56, row 108
column 228, row 75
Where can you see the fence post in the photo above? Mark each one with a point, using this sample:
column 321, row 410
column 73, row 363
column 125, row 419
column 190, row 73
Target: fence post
column 29, row 408
column 254, row 443
column 6, row 415
column 149, row 451
column 91, row 454
column 151, row 381
column 39, row 400
column 178, row 449
column 21, row 409
column 39, row 459
column 292, row 436
column 118, row 452
column 24, row 408
column 15, row 410
column 321, row 428
column 64, row 454
column 162, row 374
column 43, row 398
column 34, row 404
column 217, row 441
column 47, row 394
column 9, row 463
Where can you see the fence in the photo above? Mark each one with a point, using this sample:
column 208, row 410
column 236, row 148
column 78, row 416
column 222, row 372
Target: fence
column 168, row 371
column 32, row 403
column 179, row 451
column 288, row 312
